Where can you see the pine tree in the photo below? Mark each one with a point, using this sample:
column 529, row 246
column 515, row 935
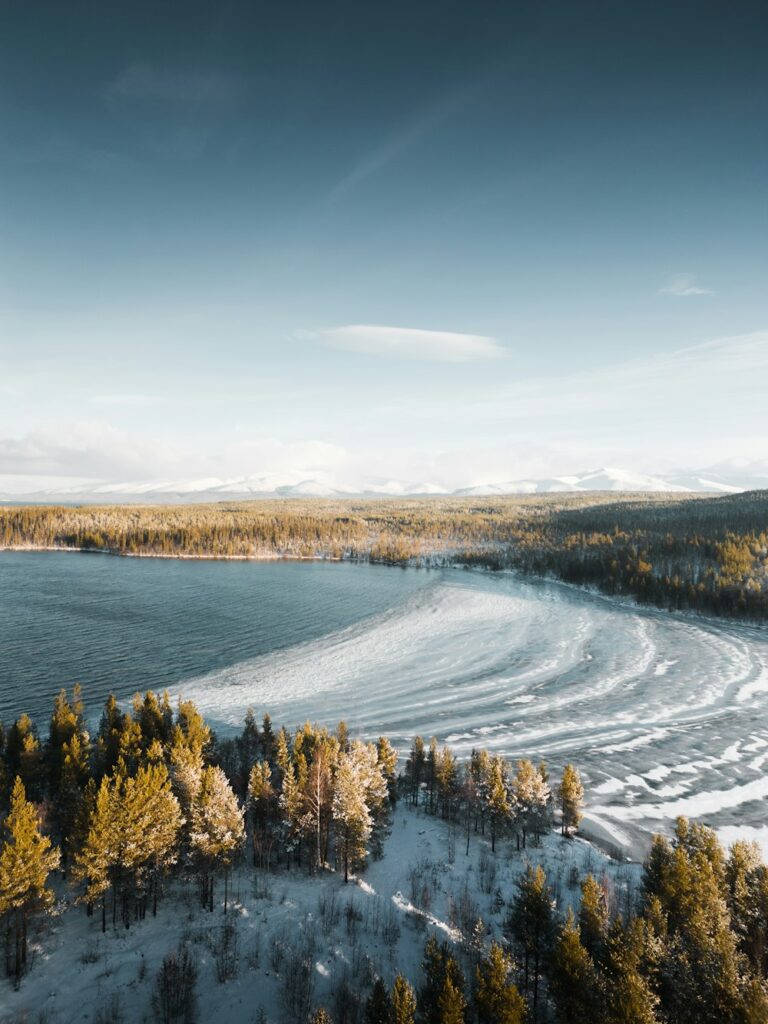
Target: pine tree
column 496, row 996
column 190, row 729
column 292, row 810
column 153, row 816
column 442, row 994
column 531, row 924
column 66, row 724
column 217, row 831
column 531, row 799
column 414, row 769
column 26, row 860
column 95, row 858
column 447, row 779
column 593, row 916
column 378, row 1006
column 573, row 979
column 629, row 997
column 571, row 794
column 403, row 1002
column 319, row 799
column 24, row 757
column 322, row 1016
column 351, row 815
column 431, row 773
column 451, row 1004
column 264, row 807
column 498, row 798
column 387, row 758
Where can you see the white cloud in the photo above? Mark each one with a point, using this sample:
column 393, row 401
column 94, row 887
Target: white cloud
column 99, row 452
column 683, row 286
column 412, row 343
column 124, row 400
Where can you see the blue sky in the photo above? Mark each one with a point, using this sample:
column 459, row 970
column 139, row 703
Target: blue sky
column 446, row 241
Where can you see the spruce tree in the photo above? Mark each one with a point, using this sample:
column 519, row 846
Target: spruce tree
column 26, row 860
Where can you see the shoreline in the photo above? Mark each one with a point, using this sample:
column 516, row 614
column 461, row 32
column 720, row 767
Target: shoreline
column 619, row 600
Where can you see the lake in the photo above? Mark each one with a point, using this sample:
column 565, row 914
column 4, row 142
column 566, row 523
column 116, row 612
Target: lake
column 663, row 714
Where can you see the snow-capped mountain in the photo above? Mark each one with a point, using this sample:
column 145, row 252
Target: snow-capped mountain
column 727, row 478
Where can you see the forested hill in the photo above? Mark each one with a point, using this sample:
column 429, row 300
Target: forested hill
column 709, row 554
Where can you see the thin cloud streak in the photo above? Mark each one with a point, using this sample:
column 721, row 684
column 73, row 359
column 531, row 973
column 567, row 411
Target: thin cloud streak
column 684, row 286
column 423, row 123
column 412, row 343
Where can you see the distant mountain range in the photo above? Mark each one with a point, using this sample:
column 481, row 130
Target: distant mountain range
column 726, row 478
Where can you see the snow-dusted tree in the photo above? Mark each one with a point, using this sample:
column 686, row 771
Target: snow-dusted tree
column 360, row 794
column 319, row 799
column 351, row 815
column 571, row 795
column 26, row 860
column 217, row 831
column 186, row 776
column 531, row 797
column 496, row 996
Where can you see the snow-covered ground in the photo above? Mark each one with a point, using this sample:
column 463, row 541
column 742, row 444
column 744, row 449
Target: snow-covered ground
column 663, row 714
column 378, row 924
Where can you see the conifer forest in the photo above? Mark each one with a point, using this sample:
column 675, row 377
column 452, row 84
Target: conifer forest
column 708, row 554
column 506, row 914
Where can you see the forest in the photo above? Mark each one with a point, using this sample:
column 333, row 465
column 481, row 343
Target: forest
column 156, row 814
column 677, row 552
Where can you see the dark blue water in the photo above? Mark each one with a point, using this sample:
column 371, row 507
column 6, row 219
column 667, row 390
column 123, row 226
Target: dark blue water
column 117, row 625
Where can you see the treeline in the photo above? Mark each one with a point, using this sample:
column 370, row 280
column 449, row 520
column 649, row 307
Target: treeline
column 707, row 554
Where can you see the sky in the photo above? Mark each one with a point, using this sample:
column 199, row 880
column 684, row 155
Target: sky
column 455, row 243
